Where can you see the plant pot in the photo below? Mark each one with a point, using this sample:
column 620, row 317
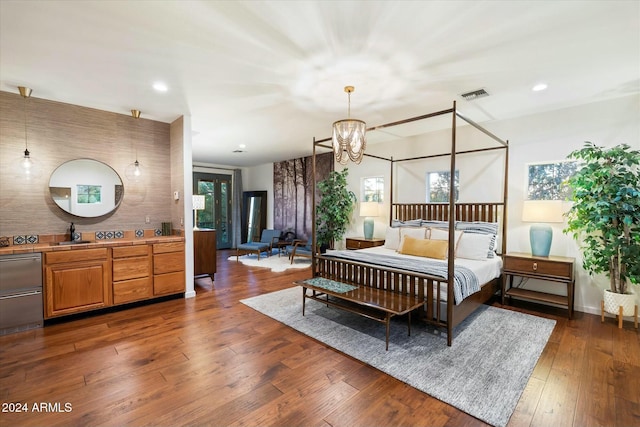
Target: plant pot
column 613, row 301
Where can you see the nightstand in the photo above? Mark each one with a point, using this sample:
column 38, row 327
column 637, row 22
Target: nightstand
column 361, row 242
column 553, row 268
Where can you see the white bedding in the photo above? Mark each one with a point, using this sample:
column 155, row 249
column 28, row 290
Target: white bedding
column 485, row 270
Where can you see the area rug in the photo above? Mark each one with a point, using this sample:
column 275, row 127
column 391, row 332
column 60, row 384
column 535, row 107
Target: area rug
column 483, row 373
column 274, row 262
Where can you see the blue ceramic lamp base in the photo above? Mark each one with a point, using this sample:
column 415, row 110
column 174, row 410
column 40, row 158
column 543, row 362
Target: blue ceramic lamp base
column 368, row 228
column 540, row 236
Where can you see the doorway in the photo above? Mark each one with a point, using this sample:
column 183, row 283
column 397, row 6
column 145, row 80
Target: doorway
column 216, row 189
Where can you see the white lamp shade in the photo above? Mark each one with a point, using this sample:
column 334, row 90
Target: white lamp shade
column 198, row 202
column 369, row 209
column 542, row 211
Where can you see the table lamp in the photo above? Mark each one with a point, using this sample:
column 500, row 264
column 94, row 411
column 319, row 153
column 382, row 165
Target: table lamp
column 541, row 212
column 198, row 205
column 368, row 210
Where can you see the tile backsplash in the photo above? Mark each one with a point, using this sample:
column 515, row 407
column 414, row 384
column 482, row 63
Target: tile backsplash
column 30, row 239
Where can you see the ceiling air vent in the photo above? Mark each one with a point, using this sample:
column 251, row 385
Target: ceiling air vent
column 238, row 151
column 470, row 96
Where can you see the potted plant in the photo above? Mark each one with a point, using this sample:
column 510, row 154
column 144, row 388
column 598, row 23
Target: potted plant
column 605, row 218
column 333, row 212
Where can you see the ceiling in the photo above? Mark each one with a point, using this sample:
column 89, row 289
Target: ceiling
column 270, row 74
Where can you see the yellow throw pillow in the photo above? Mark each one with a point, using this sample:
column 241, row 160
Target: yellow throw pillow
column 436, row 249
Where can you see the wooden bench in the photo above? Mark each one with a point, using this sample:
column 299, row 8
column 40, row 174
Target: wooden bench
column 373, row 303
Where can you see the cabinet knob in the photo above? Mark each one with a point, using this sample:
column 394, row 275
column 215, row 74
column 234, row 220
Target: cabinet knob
column 535, row 266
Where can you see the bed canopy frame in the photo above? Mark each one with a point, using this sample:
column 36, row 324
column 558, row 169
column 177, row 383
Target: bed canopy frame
column 451, row 211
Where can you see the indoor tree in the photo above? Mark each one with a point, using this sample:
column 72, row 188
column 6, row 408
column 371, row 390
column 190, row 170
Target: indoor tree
column 333, row 212
column 605, row 216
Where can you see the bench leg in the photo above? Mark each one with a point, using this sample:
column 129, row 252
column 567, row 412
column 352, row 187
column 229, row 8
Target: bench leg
column 388, row 318
column 409, row 323
column 304, row 298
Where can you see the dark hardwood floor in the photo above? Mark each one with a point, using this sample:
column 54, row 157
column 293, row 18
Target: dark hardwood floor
column 211, row 360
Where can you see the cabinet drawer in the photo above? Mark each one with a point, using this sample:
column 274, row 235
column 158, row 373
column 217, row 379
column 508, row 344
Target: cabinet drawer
column 131, row 268
column 538, row 266
column 171, row 283
column 362, row 243
column 129, row 251
column 75, row 255
column 161, row 248
column 168, row 262
column 132, row 290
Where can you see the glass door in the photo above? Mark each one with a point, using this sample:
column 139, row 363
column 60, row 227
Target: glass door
column 216, row 189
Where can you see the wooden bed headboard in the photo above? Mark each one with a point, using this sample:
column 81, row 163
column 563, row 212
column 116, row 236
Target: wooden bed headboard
column 488, row 212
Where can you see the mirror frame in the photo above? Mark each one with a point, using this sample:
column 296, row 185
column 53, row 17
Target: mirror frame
column 69, row 193
column 246, row 197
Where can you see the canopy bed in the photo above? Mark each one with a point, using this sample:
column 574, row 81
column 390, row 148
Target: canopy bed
column 405, row 264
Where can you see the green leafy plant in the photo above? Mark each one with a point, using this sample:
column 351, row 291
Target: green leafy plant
column 605, row 216
column 333, row 212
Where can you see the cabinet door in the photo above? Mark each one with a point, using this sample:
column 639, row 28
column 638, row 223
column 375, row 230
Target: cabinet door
column 204, row 252
column 77, row 287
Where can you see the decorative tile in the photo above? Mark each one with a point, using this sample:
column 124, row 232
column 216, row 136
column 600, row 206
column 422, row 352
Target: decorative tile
column 19, row 240
column 100, row 235
column 139, row 233
column 31, row 239
column 77, row 236
column 157, row 232
column 109, row 234
column 118, row 234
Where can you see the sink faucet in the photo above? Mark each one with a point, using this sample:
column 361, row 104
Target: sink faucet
column 72, row 231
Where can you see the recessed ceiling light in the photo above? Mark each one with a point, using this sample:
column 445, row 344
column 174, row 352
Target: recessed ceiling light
column 160, row 87
column 539, row 87
column 242, row 146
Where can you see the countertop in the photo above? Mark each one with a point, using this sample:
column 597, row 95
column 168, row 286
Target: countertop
column 50, row 247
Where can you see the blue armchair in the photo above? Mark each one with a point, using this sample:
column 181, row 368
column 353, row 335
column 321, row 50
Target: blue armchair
column 268, row 238
column 299, row 248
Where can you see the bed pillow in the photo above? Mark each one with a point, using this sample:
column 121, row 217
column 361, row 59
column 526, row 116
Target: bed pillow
column 480, row 227
column 442, row 234
column 434, row 224
column 436, row 249
column 475, row 246
column 416, row 233
column 409, row 223
column 392, row 238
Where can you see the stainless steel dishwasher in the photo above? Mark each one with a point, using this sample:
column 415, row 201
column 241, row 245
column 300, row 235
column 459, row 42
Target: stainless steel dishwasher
column 20, row 292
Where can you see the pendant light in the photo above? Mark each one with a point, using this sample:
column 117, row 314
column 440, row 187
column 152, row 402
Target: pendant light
column 28, row 167
column 133, row 171
column 348, row 137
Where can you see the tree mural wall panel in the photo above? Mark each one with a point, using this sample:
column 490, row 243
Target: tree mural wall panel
column 292, row 180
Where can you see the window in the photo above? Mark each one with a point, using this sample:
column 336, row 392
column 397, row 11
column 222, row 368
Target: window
column 438, row 186
column 544, row 180
column 373, row 189
column 89, row 194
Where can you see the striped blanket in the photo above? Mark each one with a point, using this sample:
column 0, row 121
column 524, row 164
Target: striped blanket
column 465, row 281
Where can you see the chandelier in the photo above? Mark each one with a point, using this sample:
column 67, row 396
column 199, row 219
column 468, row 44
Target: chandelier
column 348, row 137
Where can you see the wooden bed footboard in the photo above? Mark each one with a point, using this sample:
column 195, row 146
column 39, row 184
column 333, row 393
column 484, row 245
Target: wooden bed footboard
column 431, row 289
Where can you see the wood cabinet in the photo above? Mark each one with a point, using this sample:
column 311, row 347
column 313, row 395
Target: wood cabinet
column 76, row 281
column 132, row 273
column 362, row 243
column 204, row 252
column 552, row 268
column 79, row 280
column 168, row 268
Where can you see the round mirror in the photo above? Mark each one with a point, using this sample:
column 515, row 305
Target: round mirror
column 86, row 188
